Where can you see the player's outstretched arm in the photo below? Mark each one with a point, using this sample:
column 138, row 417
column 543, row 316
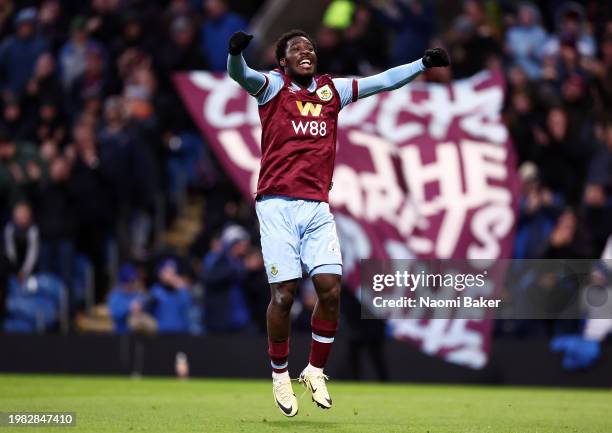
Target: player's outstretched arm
column 249, row 79
column 397, row 77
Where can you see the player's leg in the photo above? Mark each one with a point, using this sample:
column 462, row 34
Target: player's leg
column 320, row 253
column 324, row 324
column 279, row 325
column 324, row 320
column 278, row 321
column 280, row 248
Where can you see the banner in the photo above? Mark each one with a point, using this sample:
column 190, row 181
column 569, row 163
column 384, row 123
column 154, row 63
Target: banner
column 425, row 171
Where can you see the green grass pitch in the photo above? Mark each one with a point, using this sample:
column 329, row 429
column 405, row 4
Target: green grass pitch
column 116, row 404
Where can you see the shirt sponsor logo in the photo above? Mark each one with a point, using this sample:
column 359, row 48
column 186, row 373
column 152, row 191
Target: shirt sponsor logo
column 309, row 109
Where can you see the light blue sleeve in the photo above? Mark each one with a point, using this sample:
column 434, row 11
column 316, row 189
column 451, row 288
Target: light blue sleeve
column 275, row 84
column 390, row 79
column 263, row 86
column 344, row 86
column 249, row 79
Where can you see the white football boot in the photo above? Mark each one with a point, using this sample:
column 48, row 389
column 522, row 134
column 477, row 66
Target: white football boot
column 284, row 398
column 315, row 383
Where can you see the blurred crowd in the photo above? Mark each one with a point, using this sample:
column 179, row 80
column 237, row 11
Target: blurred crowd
column 97, row 152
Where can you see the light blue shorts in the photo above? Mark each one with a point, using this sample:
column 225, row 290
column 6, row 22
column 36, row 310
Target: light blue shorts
column 296, row 236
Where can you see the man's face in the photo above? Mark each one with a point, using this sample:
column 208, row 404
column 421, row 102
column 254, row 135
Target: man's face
column 240, row 248
column 25, row 29
column 571, row 25
column 525, row 16
column 214, row 8
column 300, row 59
column 22, row 216
column 7, row 150
column 167, row 274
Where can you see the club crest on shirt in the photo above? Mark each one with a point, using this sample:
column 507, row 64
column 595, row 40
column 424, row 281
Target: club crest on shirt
column 274, row 270
column 324, row 93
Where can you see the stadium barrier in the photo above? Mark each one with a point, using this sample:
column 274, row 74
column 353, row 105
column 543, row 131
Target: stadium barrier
column 512, row 362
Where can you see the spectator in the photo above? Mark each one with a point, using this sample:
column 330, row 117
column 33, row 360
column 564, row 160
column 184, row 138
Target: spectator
column 22, row 242
column 17, row 123
column 134, row 34
column 50, row 129
column 130, row 166
column 104, row 22
column 521, row 115
column 55, row 209
column 332, row 54
column 569, row 238
column 524, row 41
column 126, row 303
column 413, row 23
column 256, row 287
column 218, row 27
column 180, row 52
column 224, row 275
column 538, row 210
column 21, row 169
column 171, row 300
column 177, row 9
column 73, row 55
column 91, row 186
column 561, row 160
column 471, row 41
column 366, row 41
column 18, row 53
column 364, row 337
column 148, row 14
column 90, row 86
column 44, row 85
column 571, row 27
column 52, row 23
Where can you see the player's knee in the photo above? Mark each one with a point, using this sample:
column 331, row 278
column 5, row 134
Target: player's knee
column 330, row 296
column 282, row 297
column 328, row 289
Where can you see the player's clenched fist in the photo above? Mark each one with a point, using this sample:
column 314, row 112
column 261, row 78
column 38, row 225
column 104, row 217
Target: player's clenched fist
column 435, row 57
column 238, row 42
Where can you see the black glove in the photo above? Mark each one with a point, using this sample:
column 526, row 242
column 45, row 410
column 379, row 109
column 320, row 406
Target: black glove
column 238, row 42
column 435, row 57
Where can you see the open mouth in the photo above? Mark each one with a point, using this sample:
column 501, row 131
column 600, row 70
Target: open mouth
column 305, row 63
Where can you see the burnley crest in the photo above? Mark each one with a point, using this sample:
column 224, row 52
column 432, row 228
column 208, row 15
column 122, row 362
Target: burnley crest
column 325, row 93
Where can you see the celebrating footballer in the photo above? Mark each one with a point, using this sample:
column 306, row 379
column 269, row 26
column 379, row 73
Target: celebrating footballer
column 299, row 116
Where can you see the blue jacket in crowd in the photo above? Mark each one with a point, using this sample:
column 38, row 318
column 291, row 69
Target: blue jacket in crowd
column 226, row 307
column 17, row 60
column 119, row 301
column 170, row 307
column 215, row 34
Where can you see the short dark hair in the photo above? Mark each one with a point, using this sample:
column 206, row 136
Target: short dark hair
column 281, row 43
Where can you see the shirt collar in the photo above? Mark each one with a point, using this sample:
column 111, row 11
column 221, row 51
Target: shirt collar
column 311, row 88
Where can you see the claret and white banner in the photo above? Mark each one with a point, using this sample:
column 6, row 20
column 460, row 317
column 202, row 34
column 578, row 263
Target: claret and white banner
column 425, row 171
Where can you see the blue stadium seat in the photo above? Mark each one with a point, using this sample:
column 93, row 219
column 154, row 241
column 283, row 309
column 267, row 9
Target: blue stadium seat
column 35, row 305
